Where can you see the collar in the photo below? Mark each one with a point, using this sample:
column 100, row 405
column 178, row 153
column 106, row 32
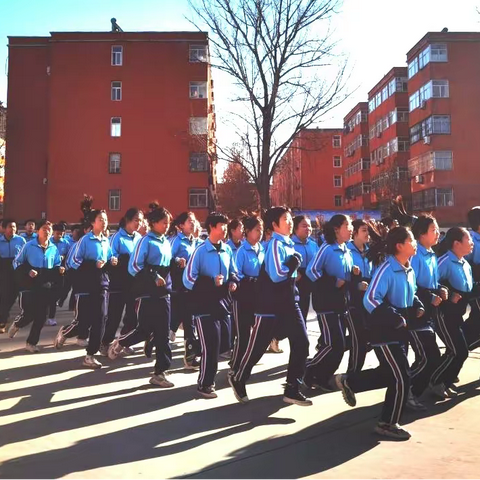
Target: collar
column 49, row 245
column 159, row 238
column 424, row 251
column 454, row 258
column 3, row 237
column 475, row 236
column 209, row 246
column 124, row 233
column 283, row 238
column 91, row 236
column 248, row 246
column 398, row 267
column 343, row 249
column 351, row 245
column 296, row 240
column 182, row 236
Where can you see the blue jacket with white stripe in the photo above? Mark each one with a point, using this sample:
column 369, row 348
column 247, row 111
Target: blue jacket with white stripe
column 122, row 244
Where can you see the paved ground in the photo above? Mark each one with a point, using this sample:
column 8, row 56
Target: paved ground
column 60, row 420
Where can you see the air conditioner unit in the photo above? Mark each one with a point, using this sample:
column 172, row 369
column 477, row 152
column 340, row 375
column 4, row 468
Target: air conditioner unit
column 423, row 106
column 419, row 179
column 426, row 140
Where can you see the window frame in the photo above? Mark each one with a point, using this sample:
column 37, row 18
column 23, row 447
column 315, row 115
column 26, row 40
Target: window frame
column 339, row 138
column 113, row 56
column 198, row 84
column 112, row 161
column 114, row 90
column 112, row 131
column 338, row 197
column 111, row 197
column 197, row 48
column 335, row 178
column 339, row 158
column 196, row 191
column 194, row 129
column 197, row 154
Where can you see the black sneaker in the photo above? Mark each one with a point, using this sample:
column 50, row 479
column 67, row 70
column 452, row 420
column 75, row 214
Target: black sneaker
column 347, row 392
column 239, row 389
column 293, row 396
column 148, row 348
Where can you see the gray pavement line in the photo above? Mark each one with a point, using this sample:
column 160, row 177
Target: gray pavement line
column 310, row 437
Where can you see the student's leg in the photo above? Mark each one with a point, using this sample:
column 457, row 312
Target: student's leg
column 80, row 316
column 471, row 326
column 358, row 339
column 98, row 305
column 8, row 296
column 209, row 333
column 130, row 320
column 244, row 320
column 40, row 302
column 159, row 311
column 225, row 333
column 116, row 304
column 144, row 327
column 26, row 310
column 305, row 292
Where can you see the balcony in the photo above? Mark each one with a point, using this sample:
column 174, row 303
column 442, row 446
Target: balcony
column 429, row 162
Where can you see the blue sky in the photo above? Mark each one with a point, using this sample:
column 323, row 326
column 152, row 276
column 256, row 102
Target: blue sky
column 375, row 34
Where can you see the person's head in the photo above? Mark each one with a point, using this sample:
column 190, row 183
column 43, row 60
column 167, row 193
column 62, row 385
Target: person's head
column 131, row 220
column 58, row 231
column 186, row 223
column 400, row 242
column 425, row 230
column 45, row 230
column 235, row 230
column 279, row 220
column 9, row 227
column 302, row 227
column 458, row 240
column 360, row 232
column 253, row 226
column 98, row 220
column 77, row 232
column 198, row 229
column 442, row 235
column 474, row 218
column 159, row 219
column 216, row 225
column 338, row 229
column 30, row 226
column 390, row 222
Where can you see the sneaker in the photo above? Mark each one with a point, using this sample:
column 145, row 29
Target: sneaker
column 207, row 392
column 274, row 347
column 438, row 391
column 51, row 322
column 392, row 431
column 13, row 330
column 128, row 351
column 82, row 342
column 451, row 393
column 60, row 304
column 31, row 348
column 454, row 388
column 90, row 362
column 347, row 393
column 103, row 350
column 226, row 355
column 310, row 383
column 160, row 381
column 3, row 328
column 192, row 364
column 414, row 404
column 293, row 396
column 239, row 389
column 59, row 339
column 114, row 350
column 148, row 348
column 172, row 336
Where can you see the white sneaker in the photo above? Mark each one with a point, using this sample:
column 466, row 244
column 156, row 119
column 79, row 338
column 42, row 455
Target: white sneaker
column 274, row 347
column 59, row 339
column 82, row 342
column 31, row 348
column 161, row 381
column 90, row 362
column 13, row 330
column 414, row 404
column 128, row 351
column 114, row 350
column 51, row 322
column 172, row 336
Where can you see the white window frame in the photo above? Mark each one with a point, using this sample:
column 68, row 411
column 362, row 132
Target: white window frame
column 194, row 194
column 440, row 88
column 337, row 181
column 198, row 90
column 337, row 141
column 198, row 126
column 114, row 199
column 114, row 163
column 438, row 52
column 116, row 127
column 413, row 67
column 116, row 91
column 117, row 56
column 195, row 158
column 198, row 53
column 338, row 197
column 335, row 163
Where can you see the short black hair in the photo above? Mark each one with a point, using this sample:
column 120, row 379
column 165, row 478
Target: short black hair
column 6, row 221
column 298, row 219
column 233, row 225
column 251, row 221
column 58, row 227
column 213, row 219
column 157, row 213
column 31, row 220
column 395, row 236
column 356, row 224
column 45, row 222
column 274, row 214
column 329, row 228
column 421, row 225
column 474, row 218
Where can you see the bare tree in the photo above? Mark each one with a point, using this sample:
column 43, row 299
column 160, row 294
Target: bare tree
column 281, row 57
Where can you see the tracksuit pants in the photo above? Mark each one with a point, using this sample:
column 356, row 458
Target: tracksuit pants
column 117, row 303
column 305, row 293
column 354, row 319
column 262, row 333
column 90, row 312
column 427, row 359
column 153, row 316
column 244, row 319
column 449, row 329
column 471, row 326
column 8, row 295
column 33, row 310
column 393, row 373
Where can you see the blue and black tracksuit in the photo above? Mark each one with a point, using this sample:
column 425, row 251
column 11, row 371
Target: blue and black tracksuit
column 471, row 326
column 9, row 249
column 210, row 303
column 63, row 246
column 120, row 296
column 149, row 261
column 90, row 285
column 391, row 302
column 456, row 274
column 332, row 262
column 234, row 246
column 29, row 237
column 249, row 260
column 307, row 250
column 277, row 305
column 36, row 293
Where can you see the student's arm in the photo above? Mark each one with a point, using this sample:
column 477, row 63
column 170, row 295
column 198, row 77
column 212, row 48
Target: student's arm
column 315, row 268
column 240, row 258
column 275, row 262
column 138, row 257
column 191, row 272
column 20, row 258
column 76, row 259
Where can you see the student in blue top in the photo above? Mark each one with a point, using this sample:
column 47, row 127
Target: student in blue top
column 149, row 264
column 277, row 304
column 90, row 259
column 29, row 233
column 120, row 295
column 10, row 245
column 431, row 293
column 330, row 271
column 211, row 274
column 236, row 235
column 456, row 274
column 390, row 300
column 38, row 271
column 249, row 259
column 183, row 245
column 307, row 248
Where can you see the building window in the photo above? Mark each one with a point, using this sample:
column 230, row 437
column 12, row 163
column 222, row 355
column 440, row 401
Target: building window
column 440, row 124
column 337, row 181
column 114, row 163
column 439, row 52
column 337, row 141
column 402, row 116
column 414, row 100
column 116, row 91
column 424, row 57
column 413, row 67
column 117, row 55
column 440, row 89
column 444, row 197
column 198, row 125
column 198, row 53
column 338, row 200
column 198, row 198
column 116, row 127
column 337, row 162
column 198, row 89
column 443, row 160
column 114, row 199
column 198, row 162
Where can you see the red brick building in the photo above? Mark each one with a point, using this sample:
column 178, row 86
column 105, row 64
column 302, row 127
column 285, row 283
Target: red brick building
column 444, row 90
column 310, row 175
column 125, row 117
column 357, row 158
column 388, row 138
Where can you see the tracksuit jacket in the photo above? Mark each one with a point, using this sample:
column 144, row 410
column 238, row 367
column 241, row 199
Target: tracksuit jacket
column 122, row 245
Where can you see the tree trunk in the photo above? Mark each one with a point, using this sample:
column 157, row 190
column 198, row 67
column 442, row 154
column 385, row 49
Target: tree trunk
column 264, row 192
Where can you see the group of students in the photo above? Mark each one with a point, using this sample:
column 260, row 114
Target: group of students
column 381, row 282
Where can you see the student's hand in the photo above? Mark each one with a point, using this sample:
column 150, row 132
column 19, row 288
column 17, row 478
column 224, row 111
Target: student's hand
column 436, row 300
column 62, row 258
column 339, row 283
column 219, row 280
column 232, row 286
column 181, row 262
column 455, row 298
column 443, row 293
column 61, row 270
column 362, row 286
column 114, row 261
column 420, row 312
column 32, row 273
column 356, row 270
column 100, row 263
column 160, row 281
